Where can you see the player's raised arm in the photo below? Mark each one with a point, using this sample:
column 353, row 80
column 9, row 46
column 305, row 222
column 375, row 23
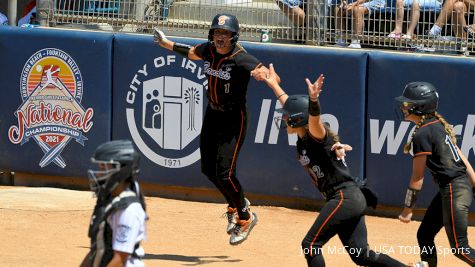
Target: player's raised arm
column 182, row 49
column 315, row 125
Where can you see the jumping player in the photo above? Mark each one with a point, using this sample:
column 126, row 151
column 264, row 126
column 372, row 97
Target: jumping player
column 118, row 222
column 433, row 145
column 343, row 213
column 228, row 67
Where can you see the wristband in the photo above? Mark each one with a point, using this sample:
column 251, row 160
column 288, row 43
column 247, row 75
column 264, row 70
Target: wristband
column 314, row 108
column 411, row 197
column 278, row 97
column 181, row 49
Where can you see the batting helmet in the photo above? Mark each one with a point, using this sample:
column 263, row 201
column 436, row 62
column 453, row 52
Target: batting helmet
column 419, row 97
column 226, row 22
column 117, row 162
column 295, row 111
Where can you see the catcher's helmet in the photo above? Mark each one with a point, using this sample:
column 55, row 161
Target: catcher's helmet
column 117, row 161
column 419, row 97
column 226, row 22
column 295, row 111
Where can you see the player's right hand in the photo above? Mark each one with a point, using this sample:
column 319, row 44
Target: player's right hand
column 271, row 78
column 340, row 150
column 159, row 36
column 406, row 215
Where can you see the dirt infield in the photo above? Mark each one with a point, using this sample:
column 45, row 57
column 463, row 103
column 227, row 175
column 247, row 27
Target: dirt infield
column 48, row 227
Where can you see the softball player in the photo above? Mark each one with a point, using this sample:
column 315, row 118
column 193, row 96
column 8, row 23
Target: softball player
column 228, row 67
column 343, row 213
column 433, row 145
column 118, row 222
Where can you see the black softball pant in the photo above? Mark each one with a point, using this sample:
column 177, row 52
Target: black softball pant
column 449, row 209
column 343, row 214
column 222, row 135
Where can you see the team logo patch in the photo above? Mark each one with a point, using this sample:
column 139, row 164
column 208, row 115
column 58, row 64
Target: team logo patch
column 222, row 20
column 122, row 233
column 165, row 112
column 51, row 113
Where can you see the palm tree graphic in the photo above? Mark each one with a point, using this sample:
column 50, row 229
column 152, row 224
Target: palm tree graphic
column 192, row 97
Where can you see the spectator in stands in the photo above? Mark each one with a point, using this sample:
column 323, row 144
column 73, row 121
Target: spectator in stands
column 427, row 5
column 357, row 10
column 29, row 15
column 3, row 19
column 450, row 7
column 294, row 10
column 305, row 14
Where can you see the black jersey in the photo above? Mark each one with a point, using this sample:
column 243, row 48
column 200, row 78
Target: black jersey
column 228, row 75
column 324, row 168
column 443, row 159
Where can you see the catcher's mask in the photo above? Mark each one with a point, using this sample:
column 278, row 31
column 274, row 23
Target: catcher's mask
column 418, row 98
column 294, row 112
column 117, row 161
column 226, row 22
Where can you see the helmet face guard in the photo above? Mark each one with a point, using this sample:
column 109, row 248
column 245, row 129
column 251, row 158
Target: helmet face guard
column 98, row 179
column 226, row 22
column 117, row 161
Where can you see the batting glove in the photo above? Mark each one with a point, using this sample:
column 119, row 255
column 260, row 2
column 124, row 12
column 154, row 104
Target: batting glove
column 158, row 35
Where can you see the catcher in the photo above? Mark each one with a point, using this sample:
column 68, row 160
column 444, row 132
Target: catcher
column 118, row 222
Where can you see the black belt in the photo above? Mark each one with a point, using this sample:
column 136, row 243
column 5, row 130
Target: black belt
column 224, row 107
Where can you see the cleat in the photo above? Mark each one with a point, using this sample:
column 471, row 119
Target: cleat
column 231, row 216
column 243, row 229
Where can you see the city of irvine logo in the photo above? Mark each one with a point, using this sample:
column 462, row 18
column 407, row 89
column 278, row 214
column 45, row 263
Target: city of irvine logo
column 51, row 113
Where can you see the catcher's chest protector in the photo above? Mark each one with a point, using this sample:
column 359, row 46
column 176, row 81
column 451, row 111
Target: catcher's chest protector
column 100, row 231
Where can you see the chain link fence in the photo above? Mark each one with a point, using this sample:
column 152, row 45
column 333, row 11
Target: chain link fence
column 406, row 25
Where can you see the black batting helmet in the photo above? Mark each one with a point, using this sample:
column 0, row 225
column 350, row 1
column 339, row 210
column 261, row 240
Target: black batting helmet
column 118, row 161
column 420, row 98
column 295, row 111
column 226, row 22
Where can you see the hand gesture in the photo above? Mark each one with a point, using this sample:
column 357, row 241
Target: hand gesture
column 159, row 37
column 406, row 215
column 314, row 89
column 272, row 78
column 260, row 72
column 340, row 150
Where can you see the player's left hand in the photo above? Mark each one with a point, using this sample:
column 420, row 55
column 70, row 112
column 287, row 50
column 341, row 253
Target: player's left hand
column 314, row 89
column 406, row 215
column 340, row 150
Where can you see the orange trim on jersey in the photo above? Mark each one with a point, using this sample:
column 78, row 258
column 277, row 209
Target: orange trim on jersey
column 453, row 225
column 235, row 151
column 216, row 78
column 325, row 222
column 432, row 122
column 210, row 78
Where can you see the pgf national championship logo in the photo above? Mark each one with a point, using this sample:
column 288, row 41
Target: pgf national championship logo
column 165, row 110
column 51, row 113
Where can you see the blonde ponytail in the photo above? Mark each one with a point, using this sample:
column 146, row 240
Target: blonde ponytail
column 448, row 128
column 407, row 147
